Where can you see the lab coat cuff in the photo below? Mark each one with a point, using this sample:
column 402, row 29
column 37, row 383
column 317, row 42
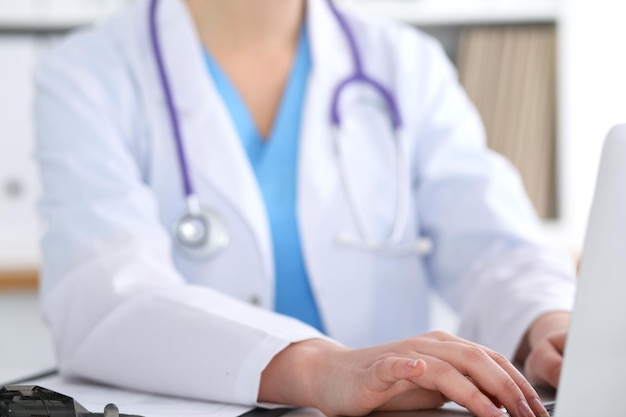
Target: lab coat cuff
column 518, row 330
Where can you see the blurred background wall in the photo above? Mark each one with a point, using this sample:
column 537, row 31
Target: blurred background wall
column 548, row 76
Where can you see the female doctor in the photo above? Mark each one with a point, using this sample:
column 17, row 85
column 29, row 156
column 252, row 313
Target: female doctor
column 251, row 200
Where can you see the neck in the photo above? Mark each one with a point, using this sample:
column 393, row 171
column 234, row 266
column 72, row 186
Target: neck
column 238, row 25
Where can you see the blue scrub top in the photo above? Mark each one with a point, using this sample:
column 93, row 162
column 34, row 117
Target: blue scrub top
column 274, row 162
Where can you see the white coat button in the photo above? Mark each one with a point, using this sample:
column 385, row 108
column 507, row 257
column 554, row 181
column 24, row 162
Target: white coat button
column 255, row 300
column 13, row 188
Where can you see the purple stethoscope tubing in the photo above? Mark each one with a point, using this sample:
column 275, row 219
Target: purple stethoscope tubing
column 169, row 100
column 367, row 241
column 200, row 232
column 208, row 221
column 359, row 76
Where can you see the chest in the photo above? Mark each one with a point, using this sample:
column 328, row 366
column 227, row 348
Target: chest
column 259, row 80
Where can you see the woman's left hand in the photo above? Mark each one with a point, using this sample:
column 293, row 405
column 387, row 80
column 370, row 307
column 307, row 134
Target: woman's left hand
column 546, row 340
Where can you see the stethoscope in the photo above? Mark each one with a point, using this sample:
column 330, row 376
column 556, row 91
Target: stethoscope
column 201, row 232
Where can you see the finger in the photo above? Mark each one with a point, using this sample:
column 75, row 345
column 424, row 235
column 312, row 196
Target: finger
column 414, row 399
column 558, row 341
column 495, row 374
column 491, row 397
column 530, row 394
column 386, row 372
column 489, row 376
column 531, row 397
column 543, row 364
column 443, row 377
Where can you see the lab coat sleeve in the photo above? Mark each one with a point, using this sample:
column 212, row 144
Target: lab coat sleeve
column 490, row 261
column 119, row 311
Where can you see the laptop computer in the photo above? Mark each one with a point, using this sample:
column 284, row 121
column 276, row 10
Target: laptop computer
column 593, row 377
column 594, row 368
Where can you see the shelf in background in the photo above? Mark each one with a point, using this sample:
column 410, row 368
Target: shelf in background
column 52, row 17
column 417, row 12
column 460, row 12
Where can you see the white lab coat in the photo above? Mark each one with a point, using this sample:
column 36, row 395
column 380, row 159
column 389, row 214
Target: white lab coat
column 125, row 307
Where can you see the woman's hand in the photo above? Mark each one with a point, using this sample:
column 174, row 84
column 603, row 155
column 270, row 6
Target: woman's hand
column 417, row 373
column 546, row 342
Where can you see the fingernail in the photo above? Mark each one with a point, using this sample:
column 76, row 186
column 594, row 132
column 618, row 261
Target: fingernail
column 539, row 408
column 497, row 412
column 524, row 410
column 412, row 363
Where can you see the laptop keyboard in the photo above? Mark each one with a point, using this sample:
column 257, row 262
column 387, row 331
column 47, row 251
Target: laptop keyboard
column 549, row 407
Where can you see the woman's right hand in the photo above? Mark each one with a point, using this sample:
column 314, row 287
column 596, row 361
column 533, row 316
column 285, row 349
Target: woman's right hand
column 417, row 373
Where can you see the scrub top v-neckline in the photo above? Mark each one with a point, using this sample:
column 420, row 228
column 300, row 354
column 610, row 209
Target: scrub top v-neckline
column 274, row 162
column 288, row 115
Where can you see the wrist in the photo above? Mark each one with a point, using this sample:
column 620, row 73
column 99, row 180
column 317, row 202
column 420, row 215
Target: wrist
column 294, row 376
column 546, row 325
column 540, row 329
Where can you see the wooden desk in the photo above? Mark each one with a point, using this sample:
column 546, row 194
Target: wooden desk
column 26, row 279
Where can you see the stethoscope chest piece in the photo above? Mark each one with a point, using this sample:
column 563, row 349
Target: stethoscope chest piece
column 201, row 233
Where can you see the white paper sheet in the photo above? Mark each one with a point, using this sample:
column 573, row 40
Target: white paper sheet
column 94, row 398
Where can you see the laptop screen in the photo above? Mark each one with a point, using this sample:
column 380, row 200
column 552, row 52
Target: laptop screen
column 592, row 378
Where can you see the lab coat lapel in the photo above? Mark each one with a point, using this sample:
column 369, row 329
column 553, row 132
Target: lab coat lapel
column 318, row 181
column 214, row 150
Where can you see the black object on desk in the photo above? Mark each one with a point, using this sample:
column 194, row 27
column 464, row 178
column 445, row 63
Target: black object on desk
column 32, row 397
column 35, row 401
